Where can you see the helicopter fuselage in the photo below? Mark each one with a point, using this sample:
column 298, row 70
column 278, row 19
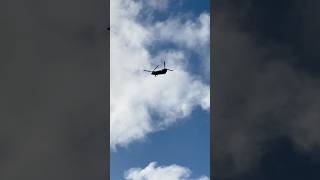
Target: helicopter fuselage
column 162, row 71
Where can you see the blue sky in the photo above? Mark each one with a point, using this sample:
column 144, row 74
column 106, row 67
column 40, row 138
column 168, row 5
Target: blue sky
column 184, row 142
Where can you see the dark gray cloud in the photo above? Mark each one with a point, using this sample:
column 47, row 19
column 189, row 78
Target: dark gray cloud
column 53, row 120
column 266, row 83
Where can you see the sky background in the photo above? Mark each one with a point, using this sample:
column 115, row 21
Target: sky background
column 185, row 141
column 53, row 89
column 266, row 89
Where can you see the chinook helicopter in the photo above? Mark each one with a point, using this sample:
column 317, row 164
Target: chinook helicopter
column 162, row 71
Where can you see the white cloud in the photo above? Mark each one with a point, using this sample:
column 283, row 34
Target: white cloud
column 152, row 172
column 136, row 96
column 193, row 34
column 157, row 4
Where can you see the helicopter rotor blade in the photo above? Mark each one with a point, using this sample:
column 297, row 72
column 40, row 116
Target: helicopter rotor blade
column 169, row 69
column 164, row 64
column 156, row 68
column 147, row 70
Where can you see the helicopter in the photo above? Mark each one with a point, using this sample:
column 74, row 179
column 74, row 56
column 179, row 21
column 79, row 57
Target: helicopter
column 162, row 71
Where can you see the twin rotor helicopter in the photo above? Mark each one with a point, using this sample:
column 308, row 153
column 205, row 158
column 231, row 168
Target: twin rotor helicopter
column 159, row 72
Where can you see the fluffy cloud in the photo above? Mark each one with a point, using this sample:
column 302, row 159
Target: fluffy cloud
column 140, row 103
column 177, row 29
column 157, row 4
column 192, row 34
column 152, row 172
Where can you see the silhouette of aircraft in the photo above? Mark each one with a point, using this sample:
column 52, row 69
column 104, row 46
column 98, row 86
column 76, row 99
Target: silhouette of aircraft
column 162, row 71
